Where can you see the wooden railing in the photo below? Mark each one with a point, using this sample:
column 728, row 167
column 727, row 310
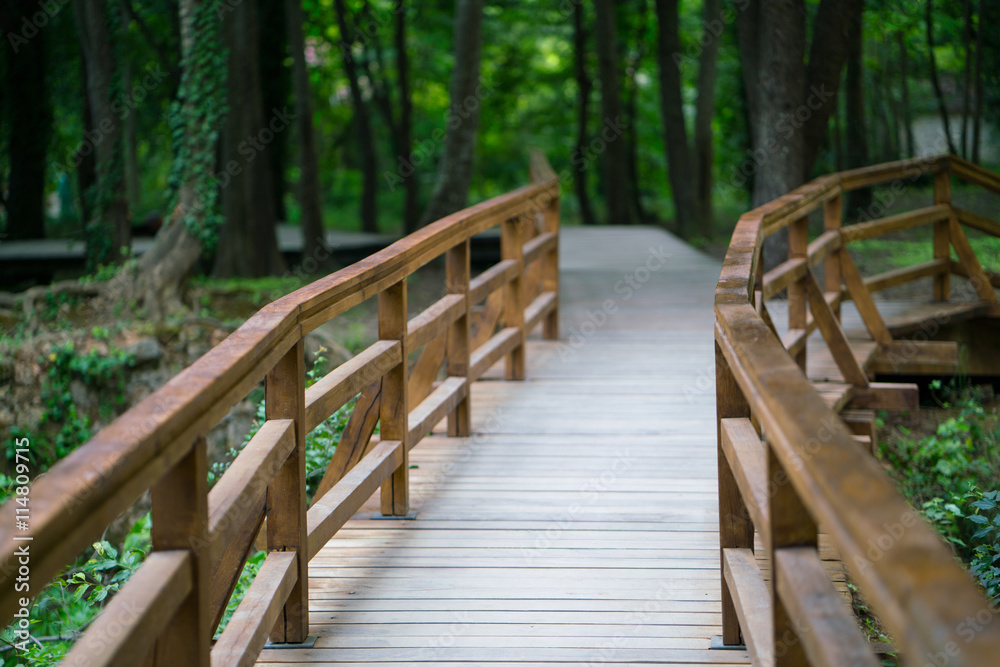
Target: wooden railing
column 168, row 611
column 790, row 466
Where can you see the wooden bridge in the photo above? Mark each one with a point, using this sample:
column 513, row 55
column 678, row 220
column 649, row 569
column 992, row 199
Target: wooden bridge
column 617, row 491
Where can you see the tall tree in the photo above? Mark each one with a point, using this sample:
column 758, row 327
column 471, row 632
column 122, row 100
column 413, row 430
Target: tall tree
column 275, row 88
column 967, row 76
column 362, row 124
column 977, row 113
column 313, row 236
column 935, row 83
column 454, row 171
column 704, row 140
column 790, row 101
column 679, row 161
column 29, row 127
column 635, row 49
column 904, row 86
column 108, row 231
column 247, row 241
column 857, row 139
column 616, row 185
column 411, row 184
column 583, row 88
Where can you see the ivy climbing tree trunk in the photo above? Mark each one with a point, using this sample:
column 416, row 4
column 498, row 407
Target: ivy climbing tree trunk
column 454, row 172
column 108, row 231
column 158, row 279
column 314, row 240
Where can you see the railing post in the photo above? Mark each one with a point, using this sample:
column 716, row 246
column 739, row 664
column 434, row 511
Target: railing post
column 735, row 525
column 180, row 521
column 284, row 398
column 942, row 236
column 550, row 267
column 394, row 410
column 832, row 221
column 798, row 243
column 512, row 247
column 791, row 526
column 457, row 282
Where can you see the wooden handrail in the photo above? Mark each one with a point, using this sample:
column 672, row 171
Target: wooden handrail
column 807, row 471
column 159, row 443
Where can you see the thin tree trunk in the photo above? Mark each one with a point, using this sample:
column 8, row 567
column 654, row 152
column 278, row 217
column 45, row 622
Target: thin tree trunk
column 679, row 162
column 632, row 114
column 904, row 79
column 29, row 131
column 704, row 141
column 967, row 77
column 932, row 62
column 583, row 88
column 131, row 150
column 454, row 174
column 313, row 237
column 857, row 140
column 247, row 242
column 109, row 229
column 86, row 170
column 275, row 89
column 366, row 139
column 977, row 118
column 411, row 184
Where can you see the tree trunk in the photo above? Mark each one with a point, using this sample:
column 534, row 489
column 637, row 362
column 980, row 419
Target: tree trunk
column 362, row 124
column 454, row 173
column 904, row 79
column 704, row 157
column 580, row 157
column 633, row 62
column 163, row 270
column 827, row 55
column 411, row 184
column 967, row 78
column 29, row 131
column 247, row 242
column 85, row 161
column 275, row 90
column 313, row 235
column 932, row 63
column 131, row 151
column 977, row 118
column 109, row 231
column 616, row 186
column 780, row 147
column 679, row 163
column 857, row 141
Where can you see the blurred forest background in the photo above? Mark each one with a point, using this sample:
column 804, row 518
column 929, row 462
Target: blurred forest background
column 381, row 115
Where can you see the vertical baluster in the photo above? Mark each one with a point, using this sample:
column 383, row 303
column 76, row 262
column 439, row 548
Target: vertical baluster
column 550, row 267
column 798, row 242
column 512, row 247
column 457, row 282
column 286, row 495
column 791, row 526
column 393, row 414
column 832, row 221
column 735, row 526
column 942, row 236
column 180, row 521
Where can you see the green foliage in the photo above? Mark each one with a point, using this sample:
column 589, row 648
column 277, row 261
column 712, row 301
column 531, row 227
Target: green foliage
column 64, row 364
column 944, row 474
column 65, row 607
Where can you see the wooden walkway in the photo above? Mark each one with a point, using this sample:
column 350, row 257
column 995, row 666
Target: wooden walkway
column 580, row 523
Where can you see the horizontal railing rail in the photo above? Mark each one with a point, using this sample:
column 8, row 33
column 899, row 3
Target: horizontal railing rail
column 789, row 460
column 168, row 611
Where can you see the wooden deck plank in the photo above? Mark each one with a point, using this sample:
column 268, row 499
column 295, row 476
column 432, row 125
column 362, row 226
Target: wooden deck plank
column 579, row 522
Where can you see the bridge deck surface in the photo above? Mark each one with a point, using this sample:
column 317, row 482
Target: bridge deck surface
column 579, row 524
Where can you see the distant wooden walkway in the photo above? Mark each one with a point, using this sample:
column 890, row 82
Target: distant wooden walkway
column 580, row 523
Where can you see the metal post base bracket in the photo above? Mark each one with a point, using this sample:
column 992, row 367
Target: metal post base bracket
column 409, row 516
column 718, row 645
column 308, row 642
